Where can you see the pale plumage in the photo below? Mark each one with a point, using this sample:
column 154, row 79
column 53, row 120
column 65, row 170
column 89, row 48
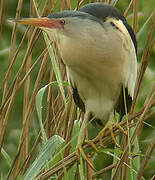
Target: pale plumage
column 98, row 48
column 100, row 58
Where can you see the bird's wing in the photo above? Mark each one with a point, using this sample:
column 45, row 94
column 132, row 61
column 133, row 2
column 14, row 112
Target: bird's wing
column 78, row 101
column 130, row 66
column 130, row 69
column 103, row 12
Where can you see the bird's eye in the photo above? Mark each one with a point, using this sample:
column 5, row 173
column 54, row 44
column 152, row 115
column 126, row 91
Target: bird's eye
column 62, row 21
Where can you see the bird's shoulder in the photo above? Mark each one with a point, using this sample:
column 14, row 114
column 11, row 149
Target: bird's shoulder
column 102, row 11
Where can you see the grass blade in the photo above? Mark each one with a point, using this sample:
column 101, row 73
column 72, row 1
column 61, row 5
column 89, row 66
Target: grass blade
column 55, row 68
column 39, row 99
column 6, row 156
column 49, row 149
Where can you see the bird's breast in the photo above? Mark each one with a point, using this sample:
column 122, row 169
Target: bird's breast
column 99, row 91
column 96, row 68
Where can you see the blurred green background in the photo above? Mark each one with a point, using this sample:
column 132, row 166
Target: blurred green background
column 145, row 8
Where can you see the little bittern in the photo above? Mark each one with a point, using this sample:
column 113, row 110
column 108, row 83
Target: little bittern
column 98, row 47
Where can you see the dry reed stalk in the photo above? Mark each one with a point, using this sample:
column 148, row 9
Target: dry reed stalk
column 30, row 109
column 27, row 105
column 71, row 158
column 145, row 160
column 27, row 92
column 7, row 106
column 144, row 60
column 147, row 105
column 135, row 14
column 128, row 8
column 57, row 119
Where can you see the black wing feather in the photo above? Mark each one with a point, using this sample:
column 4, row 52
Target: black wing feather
column 120, row 106
column 78, row 101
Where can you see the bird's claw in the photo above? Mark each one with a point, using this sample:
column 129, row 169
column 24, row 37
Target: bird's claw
column 80, row 152
column 110, row 126
column 90, row 143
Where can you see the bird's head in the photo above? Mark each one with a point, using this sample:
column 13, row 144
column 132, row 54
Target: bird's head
column 68, row 23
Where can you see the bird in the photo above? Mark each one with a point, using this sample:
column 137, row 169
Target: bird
column 99, row 50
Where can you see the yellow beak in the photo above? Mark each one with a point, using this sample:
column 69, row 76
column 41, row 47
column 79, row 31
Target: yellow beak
column 39, row 22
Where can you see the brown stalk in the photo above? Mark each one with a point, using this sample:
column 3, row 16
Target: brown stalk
column 137, row 129
column 27, row 161
column 49, row 106
column 23, row 80
column 26, row 99
column 4, row 120
column 132, row 116
column 33, row 67
column 135, row 15
column 150, row 115
column 124, row 141
column 67, row 161
column 57, row 119
column 30, row 105
column 79, row 4
column 2, row 7
column 65, row 4
column 62, row 173
column 15, row 160
column 128, row 8
column 12, row 47
column 144, row 60
column 104, row 170
column 26, row 91
column 25, row 164
column 13, row 60
column 144, row 162
column 25, row 125
column 19, row 73
column 72, row 157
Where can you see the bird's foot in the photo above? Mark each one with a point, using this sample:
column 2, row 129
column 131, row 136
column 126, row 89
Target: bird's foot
column 110, row 126
column 91, row 143
column 80, row 153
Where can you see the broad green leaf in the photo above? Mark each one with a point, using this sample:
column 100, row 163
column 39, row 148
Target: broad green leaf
column 39, row 99
column 45, row 154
